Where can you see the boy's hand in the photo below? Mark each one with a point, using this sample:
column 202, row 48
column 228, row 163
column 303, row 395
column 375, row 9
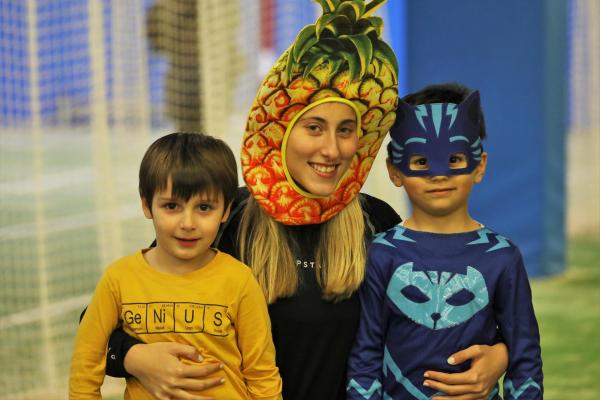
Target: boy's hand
column 488, row 364
column 159, row 369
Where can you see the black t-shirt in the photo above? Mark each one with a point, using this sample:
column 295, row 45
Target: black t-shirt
column 312, row 336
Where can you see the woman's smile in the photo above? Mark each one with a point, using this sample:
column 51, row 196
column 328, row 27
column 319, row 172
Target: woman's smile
column 324, row 170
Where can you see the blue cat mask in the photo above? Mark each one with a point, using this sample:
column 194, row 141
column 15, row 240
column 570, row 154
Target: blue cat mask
column 437, row 131
column 437, row 300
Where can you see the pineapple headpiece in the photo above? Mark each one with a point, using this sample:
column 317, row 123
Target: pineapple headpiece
column 339, row 58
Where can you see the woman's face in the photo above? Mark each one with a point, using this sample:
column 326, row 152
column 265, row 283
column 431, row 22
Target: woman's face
column 320, row 147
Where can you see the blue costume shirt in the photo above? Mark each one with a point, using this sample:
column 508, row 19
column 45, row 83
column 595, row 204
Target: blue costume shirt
column 427, row 296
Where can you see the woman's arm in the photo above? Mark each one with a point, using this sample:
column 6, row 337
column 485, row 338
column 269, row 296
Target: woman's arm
column 119, row 344
column 159, row 369
column 488, row 364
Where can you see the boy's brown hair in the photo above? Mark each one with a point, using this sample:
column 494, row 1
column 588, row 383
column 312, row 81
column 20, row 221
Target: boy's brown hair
column 196, row 163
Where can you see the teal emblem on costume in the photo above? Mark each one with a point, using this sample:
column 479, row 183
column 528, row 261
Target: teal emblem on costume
column 484, row 239
column 516, row 393
column 365, row 393
column 437, row 300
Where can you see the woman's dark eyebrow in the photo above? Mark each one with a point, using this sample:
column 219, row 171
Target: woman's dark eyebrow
column 319, row 119
column 322, row 120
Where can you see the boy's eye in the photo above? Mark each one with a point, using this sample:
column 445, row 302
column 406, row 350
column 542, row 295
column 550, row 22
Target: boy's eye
column 205, row 207
column 170, row 206
column 418, row 163
column 458, row 160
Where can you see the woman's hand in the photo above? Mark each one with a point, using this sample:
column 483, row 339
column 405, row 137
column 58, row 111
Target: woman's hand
column 159, row 369
column 488, row 364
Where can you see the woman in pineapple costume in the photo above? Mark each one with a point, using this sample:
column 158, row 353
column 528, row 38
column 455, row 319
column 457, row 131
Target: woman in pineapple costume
column 312, row 134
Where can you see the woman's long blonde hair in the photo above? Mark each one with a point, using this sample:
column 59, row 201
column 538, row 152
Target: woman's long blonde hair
column 340, row 255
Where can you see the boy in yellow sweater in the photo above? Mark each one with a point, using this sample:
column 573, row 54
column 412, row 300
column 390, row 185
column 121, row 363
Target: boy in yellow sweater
column 183, row 290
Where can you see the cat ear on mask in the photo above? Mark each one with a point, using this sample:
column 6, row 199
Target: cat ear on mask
column 404, row 106
column 472, row 104
column 403, row 112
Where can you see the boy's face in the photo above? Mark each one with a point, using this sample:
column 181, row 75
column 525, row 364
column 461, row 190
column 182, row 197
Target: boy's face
column 442, row 195
column 185, row 230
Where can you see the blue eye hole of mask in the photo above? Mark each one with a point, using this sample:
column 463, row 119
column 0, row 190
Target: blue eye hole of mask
column 437, row 132
column 419, row 162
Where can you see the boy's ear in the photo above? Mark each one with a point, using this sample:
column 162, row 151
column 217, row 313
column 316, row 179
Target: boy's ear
column 481, row 168
column 146, row 209
column 394, row 173
column 226, row 213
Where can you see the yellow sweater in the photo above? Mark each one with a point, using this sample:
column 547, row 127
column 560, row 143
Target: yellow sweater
column 219, row 309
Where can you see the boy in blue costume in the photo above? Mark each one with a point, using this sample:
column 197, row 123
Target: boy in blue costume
column 441, row 281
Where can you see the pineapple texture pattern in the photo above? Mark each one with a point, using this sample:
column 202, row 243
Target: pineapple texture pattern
column 341, row 56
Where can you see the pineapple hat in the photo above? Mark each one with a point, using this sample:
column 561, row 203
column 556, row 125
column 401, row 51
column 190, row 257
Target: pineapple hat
column 340, row 58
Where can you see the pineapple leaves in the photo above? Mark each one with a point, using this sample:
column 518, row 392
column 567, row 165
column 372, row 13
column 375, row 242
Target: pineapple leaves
column 353, row 9
column 385, row 53
column 353, row 63
column 323, row 22
column 346, row 32
column 330, row 45
column 335, row 64
column 338, row 25
column 334, row 4
column 377, row 24
column 369, row 25
column 313, row 62
column 304, row 41
column 348, row 19
column 328, row 5
column 364, row 51
column 324, row 6
column 372, row 7
column 288, row 68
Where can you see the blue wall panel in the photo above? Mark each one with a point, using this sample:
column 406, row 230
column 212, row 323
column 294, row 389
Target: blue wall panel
column 514, row 52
